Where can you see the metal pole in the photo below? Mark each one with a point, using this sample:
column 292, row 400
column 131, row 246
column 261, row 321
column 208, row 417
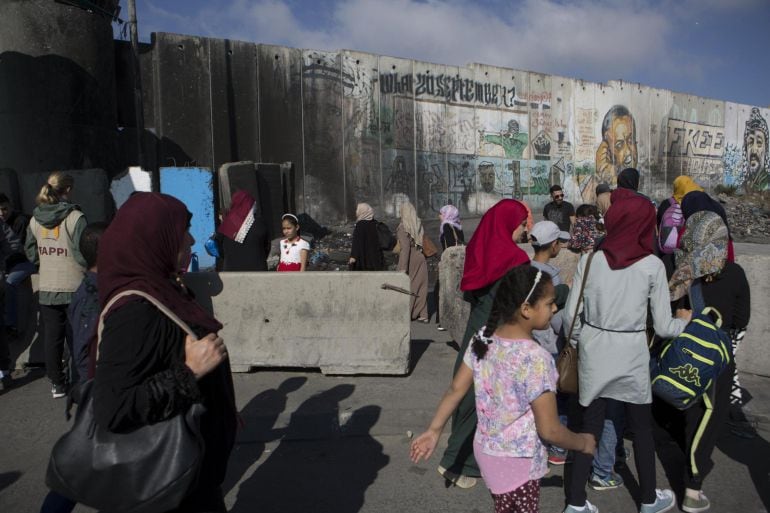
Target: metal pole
column 138, row 103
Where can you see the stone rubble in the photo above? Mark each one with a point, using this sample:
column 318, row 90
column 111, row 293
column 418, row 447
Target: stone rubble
column 749, row 217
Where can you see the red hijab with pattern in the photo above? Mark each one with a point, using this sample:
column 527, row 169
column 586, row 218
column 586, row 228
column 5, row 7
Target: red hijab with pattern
column 491, row 251
column 630, row 224
column 139, row 251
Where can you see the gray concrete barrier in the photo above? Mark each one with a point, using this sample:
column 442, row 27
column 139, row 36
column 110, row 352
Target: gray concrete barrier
column 341, row 322
column 753, row 355
column 454, row 310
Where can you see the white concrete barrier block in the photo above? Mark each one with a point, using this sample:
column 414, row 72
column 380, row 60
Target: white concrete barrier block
column 341, row 322
column 453, row 309
column 135, row 179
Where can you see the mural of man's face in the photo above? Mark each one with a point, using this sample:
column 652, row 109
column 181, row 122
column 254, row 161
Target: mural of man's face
column 622, row 141
column 756, row 149
column 487, row 178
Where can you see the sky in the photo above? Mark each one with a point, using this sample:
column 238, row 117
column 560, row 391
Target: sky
column 713, row 48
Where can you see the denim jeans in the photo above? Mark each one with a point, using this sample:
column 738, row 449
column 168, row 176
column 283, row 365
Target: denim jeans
column 612, row 435
column 16, row 275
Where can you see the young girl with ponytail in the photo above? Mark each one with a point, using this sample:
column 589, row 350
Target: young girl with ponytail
column 52, row 243
column 515, row 383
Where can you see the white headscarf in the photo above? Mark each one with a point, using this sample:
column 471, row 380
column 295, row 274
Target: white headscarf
column 364, row 212
column 411, row 223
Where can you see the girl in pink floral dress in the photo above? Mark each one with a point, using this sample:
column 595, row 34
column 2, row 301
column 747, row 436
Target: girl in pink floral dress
column 515, row 384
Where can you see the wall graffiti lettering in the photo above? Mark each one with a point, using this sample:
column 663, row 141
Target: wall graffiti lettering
column 687, row 139
column 452, row 89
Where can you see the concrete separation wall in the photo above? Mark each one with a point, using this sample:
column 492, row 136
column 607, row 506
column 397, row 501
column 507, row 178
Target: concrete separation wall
column 753, row 355
column 342, row 322
column 365, row 127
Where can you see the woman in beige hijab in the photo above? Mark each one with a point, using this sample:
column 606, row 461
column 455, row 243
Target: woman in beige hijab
column 411, row 260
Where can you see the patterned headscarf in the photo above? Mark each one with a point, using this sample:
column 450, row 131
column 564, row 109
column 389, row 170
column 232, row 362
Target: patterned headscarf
column 703, row 251
column 585, row 234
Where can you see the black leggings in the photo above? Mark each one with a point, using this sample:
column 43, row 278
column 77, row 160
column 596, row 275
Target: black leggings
column 697, row 428
column 639, row 422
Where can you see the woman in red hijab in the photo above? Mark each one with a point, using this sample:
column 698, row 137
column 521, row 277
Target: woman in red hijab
column 148, row 369
column 490, row 254
column 624, row 277
column 243, row 236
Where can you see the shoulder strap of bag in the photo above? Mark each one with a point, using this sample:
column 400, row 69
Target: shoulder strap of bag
column 160, row 306
column 697, row 303
column 580, row 297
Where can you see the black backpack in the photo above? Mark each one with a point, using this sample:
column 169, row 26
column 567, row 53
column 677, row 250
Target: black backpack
column 385, row 236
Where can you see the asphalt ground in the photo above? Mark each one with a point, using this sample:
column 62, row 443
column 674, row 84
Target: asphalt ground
column 315, row 443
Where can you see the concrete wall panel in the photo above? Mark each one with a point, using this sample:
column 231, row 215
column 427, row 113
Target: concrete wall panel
column 342, row 322
column 234, row 101
column 57, row 83
column 182, row 90
column 361, row 129
column 280, row 102
column 323, row 81
column 397, row 147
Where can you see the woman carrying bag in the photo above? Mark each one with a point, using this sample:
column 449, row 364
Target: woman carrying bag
column 148, row 369
column 614, row 360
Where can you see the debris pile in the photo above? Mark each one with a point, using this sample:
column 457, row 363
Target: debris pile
column 749, row 217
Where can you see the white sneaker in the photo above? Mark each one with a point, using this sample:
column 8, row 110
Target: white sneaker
column 458, row 480
column 664, row 501
column 588, row 508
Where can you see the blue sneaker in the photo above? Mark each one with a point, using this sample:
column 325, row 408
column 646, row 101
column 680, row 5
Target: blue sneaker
column 588, row 508
column 664, row 501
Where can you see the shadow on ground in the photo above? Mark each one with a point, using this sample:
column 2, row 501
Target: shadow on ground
column 307, row 474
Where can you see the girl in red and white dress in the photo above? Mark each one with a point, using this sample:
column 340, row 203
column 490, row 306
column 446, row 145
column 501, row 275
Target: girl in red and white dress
column 294, row 249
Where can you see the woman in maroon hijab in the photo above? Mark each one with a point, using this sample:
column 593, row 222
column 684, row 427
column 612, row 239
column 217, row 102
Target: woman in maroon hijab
column 623, row 279
column 243, row 235
column 490, row 254
column 148, row 368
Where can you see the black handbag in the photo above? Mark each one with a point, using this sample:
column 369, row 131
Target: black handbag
column 147, row 470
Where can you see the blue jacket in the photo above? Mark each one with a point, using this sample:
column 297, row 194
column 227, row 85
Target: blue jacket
column 84, row 316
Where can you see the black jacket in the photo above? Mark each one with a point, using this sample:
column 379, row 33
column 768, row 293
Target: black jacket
column 141, row 378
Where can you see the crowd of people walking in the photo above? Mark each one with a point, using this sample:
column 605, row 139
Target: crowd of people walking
column 114, row 294
column 509, row 416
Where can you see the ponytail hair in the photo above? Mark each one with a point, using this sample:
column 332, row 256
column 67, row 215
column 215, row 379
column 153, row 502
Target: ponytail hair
column 522, row 284
column 57, row 184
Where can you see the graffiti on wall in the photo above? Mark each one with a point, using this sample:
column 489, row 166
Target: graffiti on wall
column 695, row 149
column 755, row 140
column 618, row 149
column 452, row 89
column 437, row 138
column 509, row 142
